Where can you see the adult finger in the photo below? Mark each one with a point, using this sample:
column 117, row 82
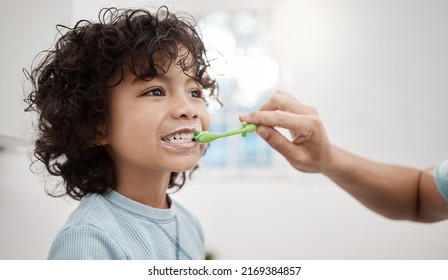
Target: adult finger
column 287, row 120
column 284, row 101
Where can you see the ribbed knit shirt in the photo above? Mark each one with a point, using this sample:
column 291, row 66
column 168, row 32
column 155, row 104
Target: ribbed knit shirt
column 441, row 178
column 112, row 226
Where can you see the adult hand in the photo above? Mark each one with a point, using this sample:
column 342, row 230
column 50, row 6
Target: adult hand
column 309, row 149
column 394, row 191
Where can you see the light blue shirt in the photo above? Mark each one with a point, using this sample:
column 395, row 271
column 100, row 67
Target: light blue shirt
column 112, row 226
column 441, row 178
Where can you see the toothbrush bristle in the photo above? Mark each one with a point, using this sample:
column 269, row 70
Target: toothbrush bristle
column 196, row 136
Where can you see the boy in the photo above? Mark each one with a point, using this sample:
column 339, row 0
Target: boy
column 118, row 103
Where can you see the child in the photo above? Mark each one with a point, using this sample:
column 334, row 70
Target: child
column 118, row 103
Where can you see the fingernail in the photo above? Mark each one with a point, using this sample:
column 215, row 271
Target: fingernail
column 243, row 117
column 263, row 132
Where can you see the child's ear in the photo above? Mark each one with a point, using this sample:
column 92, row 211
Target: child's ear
column 102, row 141
column 101, row 135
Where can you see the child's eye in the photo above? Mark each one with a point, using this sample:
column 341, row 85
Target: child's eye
column 196, row 93
column 154, row 92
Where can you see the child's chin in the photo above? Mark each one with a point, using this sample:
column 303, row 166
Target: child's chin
column 184, row 167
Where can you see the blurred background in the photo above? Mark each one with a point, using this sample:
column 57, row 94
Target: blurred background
column 376, row 70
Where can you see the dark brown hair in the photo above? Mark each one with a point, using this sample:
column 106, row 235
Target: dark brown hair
column 70, row 87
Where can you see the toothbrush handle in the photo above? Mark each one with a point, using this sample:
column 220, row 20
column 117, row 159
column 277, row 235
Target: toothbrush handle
column 230, row 133
column 244, row 130
column 206, row 137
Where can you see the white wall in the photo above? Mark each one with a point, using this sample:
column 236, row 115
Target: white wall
column 375, row 69
column 29, row 217
column 27, row 27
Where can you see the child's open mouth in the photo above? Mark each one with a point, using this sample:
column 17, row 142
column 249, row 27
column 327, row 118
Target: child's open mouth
column 180, row 140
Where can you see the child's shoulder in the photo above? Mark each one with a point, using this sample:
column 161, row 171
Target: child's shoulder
column 91, row 224
column 92, row 210
column 182, row 210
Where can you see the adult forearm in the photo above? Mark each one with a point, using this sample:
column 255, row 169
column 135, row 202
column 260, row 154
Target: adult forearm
column 389, row 190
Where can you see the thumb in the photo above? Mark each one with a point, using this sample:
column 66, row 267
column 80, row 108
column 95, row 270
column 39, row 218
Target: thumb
column 275, row 139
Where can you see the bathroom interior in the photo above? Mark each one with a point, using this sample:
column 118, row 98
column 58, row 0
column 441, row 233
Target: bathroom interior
column 376, row 70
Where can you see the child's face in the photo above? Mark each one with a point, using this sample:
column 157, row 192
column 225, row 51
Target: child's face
column 152, row 123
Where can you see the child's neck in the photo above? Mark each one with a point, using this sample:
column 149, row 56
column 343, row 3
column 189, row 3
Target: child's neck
column 150, row 198
column 149, row 193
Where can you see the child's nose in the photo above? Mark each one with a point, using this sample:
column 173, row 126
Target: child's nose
column 183, row 109
column 188, row 115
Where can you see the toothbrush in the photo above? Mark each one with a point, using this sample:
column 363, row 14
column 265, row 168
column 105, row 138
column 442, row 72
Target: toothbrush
column 206, row 136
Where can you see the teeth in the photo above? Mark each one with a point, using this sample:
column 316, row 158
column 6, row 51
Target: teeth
column 179, row 138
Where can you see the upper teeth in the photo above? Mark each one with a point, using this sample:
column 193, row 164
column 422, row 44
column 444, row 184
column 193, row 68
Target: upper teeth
column 179, row 137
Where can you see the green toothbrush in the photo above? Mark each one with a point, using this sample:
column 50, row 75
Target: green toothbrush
column 206, row 137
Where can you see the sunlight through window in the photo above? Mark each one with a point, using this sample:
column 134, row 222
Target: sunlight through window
column 240, row 58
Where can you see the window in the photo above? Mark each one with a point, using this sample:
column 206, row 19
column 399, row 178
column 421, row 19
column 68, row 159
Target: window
column 240, row 58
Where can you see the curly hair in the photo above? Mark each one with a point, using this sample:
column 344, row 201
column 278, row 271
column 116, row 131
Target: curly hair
column 70, row 87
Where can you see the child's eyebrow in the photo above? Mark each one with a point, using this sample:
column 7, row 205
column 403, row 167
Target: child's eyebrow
column 136, row 80
column 162, row 77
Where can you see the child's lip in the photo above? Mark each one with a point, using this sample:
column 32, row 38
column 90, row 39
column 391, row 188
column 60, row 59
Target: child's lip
column 180, row 130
